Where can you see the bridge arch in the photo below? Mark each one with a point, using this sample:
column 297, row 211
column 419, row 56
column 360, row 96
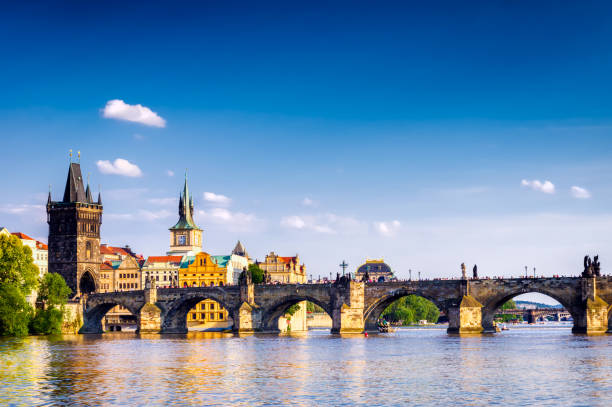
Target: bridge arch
column 372, row 313
column 493, row 304
column 175, row 316
column 98, row 305
column 272, row 313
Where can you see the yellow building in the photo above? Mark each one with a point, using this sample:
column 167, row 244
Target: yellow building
column 204, row 270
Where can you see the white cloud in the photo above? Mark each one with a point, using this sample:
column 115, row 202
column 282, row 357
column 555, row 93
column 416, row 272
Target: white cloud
column 309, row 202
column 138, row 137
column 547, row 187
column 119, row 167
column 142, row 214
column 327, row 223
column 580, row 193
column 216, row 198
column 234, row 221
column 162, row 201
column 293, row 222
column 387, row 228
column 20, row 209
column 170, row 173
column 118, row 109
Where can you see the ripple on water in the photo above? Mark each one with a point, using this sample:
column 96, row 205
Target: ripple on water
column 523, row 366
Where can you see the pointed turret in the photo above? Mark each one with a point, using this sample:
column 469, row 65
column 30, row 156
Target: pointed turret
column 49, row 198
column 239, row 250
column 88, row 194
column 74, row 192
column 185, row 210
column 99, row 198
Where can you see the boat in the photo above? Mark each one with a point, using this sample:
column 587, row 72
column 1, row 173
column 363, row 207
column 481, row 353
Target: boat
column 384, row 327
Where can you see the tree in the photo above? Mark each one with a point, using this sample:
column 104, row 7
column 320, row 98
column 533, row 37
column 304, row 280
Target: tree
column 411, row 309
column 510, row 304
column 53, row 295
column 18, row 277
column 15, row 312
column 292, row 310
column 53, row 291
column 17, row 265
column 257, row 274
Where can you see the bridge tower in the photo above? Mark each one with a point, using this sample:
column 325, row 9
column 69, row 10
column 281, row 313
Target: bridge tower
column 74, row 234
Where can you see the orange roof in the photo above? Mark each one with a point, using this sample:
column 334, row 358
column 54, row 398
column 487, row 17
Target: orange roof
column 105, row 266
column 286, row 259
column 164, row 259
column 106, row 250
column 41, row 245
column 22, row 236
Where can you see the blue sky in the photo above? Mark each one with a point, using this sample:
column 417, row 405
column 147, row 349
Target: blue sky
column 339, row 131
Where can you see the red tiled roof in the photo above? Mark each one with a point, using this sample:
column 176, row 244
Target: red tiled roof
column 106, row 250
column 105, row 266
column 22, row 236
column 164, row 259
column 286, row 259
column 41, row 245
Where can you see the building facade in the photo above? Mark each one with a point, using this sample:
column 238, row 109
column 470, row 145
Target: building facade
column 204, row 270
column 286, row 270
column 377, row 271
column 164, row 270
column 185, row 235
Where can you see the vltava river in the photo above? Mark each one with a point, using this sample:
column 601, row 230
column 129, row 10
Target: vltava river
column 522, row 366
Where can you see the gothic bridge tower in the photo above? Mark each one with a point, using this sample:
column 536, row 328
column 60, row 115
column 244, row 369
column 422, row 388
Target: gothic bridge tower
column 74, row 234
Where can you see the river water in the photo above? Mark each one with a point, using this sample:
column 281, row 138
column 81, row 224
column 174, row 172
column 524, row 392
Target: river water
column 536, row 365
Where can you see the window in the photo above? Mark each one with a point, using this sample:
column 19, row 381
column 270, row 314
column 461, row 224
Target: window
column 193, row 315
column 212, row 306
column 182, row 239
column 212, row 316
column 185, row 284
column 212, row 283
column 203, row 315
column 220, row 315
column 221, row 283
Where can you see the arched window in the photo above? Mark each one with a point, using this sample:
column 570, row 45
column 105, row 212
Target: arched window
column 203, row 284
column 212, row 283
column 221, row 283
column 185, row 284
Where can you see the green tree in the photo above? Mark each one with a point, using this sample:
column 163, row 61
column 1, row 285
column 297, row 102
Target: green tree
column 510, row 304
column 292, row 310
column 18, row 277
column 257, row 274
column 15, row 312
column 312, row 307
column 17, row 265
column 53, row 291
column 53, row 295
column 411, row 309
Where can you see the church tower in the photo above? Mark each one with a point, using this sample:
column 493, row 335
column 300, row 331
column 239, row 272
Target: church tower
column 185, row 236
column 74, row 234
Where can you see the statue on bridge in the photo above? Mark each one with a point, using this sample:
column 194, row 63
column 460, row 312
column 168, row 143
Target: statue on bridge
column 591, row 268
column 463, row 274
column 245, row 277
column 366, row 277
column 475, row 272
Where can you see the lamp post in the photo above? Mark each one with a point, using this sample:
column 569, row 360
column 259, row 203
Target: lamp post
column 525, row 271
column 534, row 274
column 419, row 276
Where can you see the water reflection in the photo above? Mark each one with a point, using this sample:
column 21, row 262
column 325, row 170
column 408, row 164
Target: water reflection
column 533, row 365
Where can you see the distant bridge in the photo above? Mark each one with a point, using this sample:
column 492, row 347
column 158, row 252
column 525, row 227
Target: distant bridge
column 536, row 314
column 470, row 305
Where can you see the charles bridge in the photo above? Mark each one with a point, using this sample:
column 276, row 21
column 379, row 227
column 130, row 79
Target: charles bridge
column 356, row 306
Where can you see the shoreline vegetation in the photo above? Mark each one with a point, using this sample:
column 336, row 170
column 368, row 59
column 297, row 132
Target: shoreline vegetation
column 19, row 277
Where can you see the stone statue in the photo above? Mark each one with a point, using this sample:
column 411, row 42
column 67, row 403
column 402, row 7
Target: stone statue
column 245, row 277
column 475, row 272
column 365, row 278
column 148, row 282
column 591, row 268
column 596, row 266
column 463, row 275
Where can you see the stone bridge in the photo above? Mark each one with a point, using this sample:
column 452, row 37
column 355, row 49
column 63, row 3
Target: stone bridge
column 355, row 307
